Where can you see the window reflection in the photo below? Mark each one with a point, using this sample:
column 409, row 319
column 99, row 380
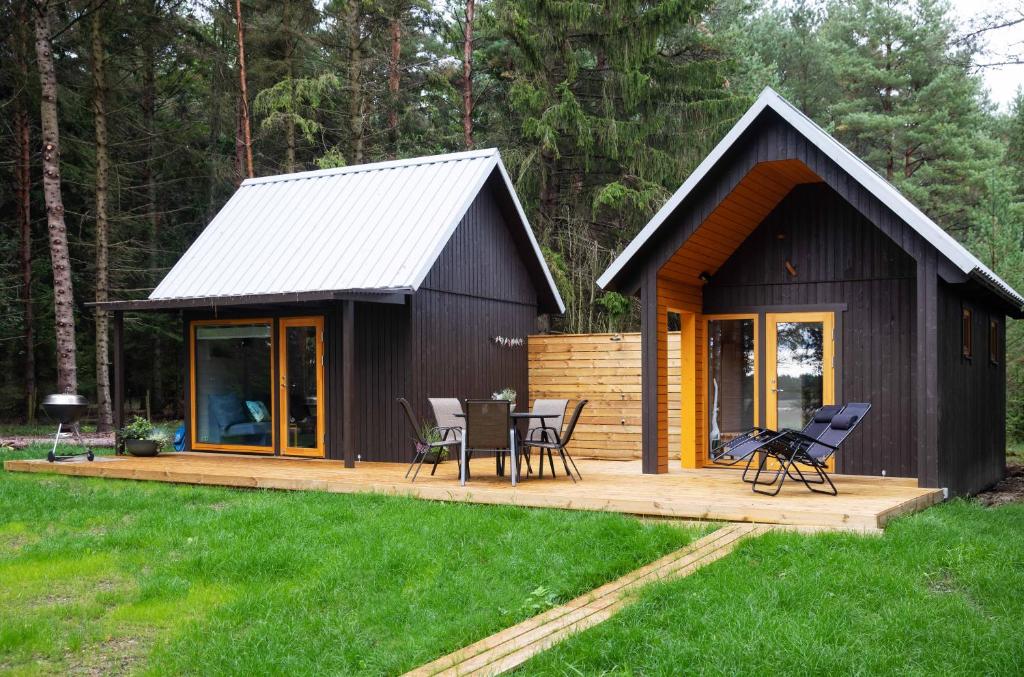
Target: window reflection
column 731, row 378
column 800, row 361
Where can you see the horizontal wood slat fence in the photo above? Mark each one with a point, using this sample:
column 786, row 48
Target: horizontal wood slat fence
column 604, row 369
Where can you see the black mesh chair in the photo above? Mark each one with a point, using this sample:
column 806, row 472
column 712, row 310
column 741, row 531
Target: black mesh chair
column 748, row 446
column 794, row 450
column 442, row 438
column 552, row 440
column 488, row 428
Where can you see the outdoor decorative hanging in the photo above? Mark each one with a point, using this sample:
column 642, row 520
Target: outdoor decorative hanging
column 508, row 341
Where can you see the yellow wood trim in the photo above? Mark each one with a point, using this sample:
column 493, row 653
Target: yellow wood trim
column 828, row 378
column 207, row 446
column 706, row 418
column 317, row 322
column 688, row 390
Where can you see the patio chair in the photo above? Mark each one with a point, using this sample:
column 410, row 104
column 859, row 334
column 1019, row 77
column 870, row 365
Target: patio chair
column 745, row 447
column 448, row 415
column 539, row 429
column 559, row 442
column 792, row 449
column 424, row 445
column 488, row 428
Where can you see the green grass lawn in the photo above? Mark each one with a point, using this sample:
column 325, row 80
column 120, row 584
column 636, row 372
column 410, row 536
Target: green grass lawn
column 939, row 593
column 100, row 576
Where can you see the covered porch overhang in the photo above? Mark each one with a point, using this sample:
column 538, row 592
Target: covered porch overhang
column 337, row 308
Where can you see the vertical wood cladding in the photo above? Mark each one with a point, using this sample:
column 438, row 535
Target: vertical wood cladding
column 972, row 409
column 840, row 258
column 440, row 344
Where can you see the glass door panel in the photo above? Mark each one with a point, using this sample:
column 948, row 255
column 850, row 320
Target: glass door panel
column 231, row 362
column 800, row 349
column 301, row 392
column 732, row 377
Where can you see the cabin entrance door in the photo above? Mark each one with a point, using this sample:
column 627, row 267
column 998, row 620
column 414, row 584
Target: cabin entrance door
column 301, row 390
column 800, row 367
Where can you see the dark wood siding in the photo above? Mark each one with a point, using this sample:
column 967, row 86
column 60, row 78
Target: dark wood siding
column 840, row 259
column 972, row 406
column 482, row 259
column 440, row 344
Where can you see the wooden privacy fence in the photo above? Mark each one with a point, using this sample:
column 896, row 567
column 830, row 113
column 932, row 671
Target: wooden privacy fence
column 604, row 369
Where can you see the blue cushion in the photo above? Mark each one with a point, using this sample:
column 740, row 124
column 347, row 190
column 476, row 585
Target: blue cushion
column 844, row 421
column 227, row 410
column 826, row 413
column 257, row 410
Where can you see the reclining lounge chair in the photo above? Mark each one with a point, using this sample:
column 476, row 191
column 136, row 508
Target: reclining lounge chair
column 793, row 450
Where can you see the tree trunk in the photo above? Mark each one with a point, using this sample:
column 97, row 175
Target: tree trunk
column 394, row 80
column 23, row 188
column 355, row 85
column 289, row 59
column 152, row 212
column 105, row 421
column 63, row 293
column 243, row 90
column 467, row 78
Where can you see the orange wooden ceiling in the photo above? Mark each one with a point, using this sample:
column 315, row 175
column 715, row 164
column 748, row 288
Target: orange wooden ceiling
column 735, row 218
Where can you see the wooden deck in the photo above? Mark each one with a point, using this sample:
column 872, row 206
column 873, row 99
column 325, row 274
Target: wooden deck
column 863, row 504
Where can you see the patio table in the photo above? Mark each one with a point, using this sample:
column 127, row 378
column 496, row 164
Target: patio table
column 516, row 416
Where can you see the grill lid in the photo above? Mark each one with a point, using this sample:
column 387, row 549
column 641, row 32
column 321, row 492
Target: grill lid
column 64, row 399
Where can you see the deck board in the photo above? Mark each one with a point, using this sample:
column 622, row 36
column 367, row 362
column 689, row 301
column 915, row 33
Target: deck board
column 863, row 504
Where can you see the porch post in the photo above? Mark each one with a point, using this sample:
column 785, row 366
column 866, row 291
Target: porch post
column 118, row 366
column 926, row 376
column 649, row 373
column 348, row 383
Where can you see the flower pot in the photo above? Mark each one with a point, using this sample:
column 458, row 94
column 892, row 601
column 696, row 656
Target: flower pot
column 141, row 447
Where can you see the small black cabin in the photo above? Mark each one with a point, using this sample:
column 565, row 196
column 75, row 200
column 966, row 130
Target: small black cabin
column 313, row 300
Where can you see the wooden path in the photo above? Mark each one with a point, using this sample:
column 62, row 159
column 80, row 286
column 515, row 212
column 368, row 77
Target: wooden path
column 863, row 504
column 514, row 646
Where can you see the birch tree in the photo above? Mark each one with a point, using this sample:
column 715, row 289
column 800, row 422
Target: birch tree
column 104, row 421
column 63, row 293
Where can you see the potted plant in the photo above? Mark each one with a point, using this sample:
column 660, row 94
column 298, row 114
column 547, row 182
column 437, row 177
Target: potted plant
column 508, row 394
column 431, row 434
column 142, row 438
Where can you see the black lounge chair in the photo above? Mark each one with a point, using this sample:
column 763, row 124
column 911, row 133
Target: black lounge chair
column 745, row 447
column 793, row 450
column 447, row 437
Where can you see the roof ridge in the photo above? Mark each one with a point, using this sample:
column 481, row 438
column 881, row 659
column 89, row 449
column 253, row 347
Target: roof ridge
column 375, row 166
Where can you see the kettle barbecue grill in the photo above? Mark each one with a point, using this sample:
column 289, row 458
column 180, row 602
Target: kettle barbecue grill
column 66, row 409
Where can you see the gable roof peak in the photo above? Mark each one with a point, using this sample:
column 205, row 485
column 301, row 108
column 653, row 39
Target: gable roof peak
column 853, row 165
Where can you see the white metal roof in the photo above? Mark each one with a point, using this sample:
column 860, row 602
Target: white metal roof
column 367, row 228
column 853, row 165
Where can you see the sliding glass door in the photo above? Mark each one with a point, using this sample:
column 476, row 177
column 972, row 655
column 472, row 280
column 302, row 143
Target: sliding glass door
column 232, row 385
column 235, row 405
column 780, row 387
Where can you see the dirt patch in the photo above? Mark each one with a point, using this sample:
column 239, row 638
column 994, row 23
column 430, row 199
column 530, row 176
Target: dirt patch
column 90, row 439
column 1009, row 490
column 115, row 656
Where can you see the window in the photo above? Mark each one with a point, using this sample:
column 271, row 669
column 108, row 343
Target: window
column 966, row 338
column 993, row 340
column 231, row 380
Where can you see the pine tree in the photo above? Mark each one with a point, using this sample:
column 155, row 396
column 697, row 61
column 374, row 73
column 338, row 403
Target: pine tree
column 907, row 101
column 601, row 96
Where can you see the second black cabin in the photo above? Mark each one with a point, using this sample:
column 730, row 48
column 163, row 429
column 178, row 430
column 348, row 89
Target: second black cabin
column 800, row 277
